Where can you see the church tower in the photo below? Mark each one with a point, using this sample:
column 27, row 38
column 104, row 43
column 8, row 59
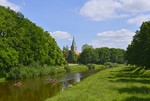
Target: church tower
column 73, row 46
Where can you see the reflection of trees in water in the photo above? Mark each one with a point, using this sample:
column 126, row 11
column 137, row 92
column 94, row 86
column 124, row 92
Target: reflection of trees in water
column 68, row 83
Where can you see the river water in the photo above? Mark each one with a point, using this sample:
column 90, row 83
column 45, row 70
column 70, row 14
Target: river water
column 38, row 88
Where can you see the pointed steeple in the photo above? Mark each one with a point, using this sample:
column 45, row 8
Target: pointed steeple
column 73, row 46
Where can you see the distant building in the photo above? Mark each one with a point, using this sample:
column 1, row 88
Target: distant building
column 74, row 47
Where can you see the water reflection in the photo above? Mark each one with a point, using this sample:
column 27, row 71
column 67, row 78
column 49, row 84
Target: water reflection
column 70, row 80
column 38, row 89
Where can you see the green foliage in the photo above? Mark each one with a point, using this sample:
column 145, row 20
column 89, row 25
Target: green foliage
column 61, row 70
column 91, row 66
column 86, row 46
column 102, row 55
column 117, row 55
column 110, row 64
column 88, row 56
column 67, row 68
column 138, row 52
column 72, row 57
column 22, row 71
column 2, row 80
column 65, row 51
column 23, row 42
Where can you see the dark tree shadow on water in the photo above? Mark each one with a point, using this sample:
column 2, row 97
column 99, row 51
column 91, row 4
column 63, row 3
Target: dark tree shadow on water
column 134, row 98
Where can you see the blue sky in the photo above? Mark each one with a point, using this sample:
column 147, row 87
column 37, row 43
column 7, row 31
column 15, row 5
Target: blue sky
column 100, row 23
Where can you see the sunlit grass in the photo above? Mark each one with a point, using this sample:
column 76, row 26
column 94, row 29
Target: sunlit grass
column 2, row 79
column 81, row 68
column 113, row 84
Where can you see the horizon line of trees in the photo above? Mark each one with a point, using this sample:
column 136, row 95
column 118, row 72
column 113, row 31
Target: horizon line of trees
column 95, row 56
column 101, row 55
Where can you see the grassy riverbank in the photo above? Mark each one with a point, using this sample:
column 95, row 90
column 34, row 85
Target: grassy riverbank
column 113, row 84
column 81, row 68
column 37, row 70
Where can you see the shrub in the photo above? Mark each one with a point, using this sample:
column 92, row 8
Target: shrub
column 110, row 64
column 67, row 68
column 91, row 66
column 60, row 70
column 35, row 65
column 31, row 71
column 14, row 73
column 53, row 70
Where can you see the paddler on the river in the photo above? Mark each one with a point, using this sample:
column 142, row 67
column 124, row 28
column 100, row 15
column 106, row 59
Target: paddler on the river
column 18, row 84
column 53, row 81
column 49, row 80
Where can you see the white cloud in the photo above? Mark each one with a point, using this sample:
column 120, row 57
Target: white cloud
column 113, row 39
column 135, row 6
column 12, row 6
column 99, row 10
column 138, row 20
column 61, row 35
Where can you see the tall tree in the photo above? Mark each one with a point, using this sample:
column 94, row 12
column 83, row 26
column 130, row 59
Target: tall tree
column 86, row 46
column 88, row 55
column 65, row 51
column 104, row 55
column 138, row 52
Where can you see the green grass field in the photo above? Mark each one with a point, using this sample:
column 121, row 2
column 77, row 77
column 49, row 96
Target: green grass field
column 112, row 84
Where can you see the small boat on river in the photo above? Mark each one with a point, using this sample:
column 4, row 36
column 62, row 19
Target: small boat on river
column 52, row 81
column 18, row 84
column 55, row 81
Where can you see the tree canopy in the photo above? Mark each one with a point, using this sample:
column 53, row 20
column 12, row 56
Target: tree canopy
column 23, row 42
column 101, row 55
column 138, row 52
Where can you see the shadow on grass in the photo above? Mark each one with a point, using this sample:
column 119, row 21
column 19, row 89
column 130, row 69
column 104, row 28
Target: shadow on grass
column 132, row 75
column 131, row 72
column 135, row 90
column 133, row 81
column 134, row 98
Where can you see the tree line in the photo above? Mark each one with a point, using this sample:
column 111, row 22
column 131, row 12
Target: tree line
column 95, row 56
column 101, row 55
column 23, row 42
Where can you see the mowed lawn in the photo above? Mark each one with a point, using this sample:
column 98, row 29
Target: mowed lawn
column 113, row 84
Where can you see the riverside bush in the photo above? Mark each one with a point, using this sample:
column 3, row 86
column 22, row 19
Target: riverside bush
column 60, row 70
column 91, row 66
column 110, row 64
column 67, row 68
column 31, row 71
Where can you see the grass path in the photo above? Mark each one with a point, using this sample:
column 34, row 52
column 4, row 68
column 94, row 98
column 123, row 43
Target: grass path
column 114, row 84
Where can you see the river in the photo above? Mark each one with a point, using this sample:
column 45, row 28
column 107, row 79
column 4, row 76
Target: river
column 38, row 88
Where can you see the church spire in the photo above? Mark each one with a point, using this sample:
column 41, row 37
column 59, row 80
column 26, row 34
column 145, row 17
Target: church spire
column 73, row 46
